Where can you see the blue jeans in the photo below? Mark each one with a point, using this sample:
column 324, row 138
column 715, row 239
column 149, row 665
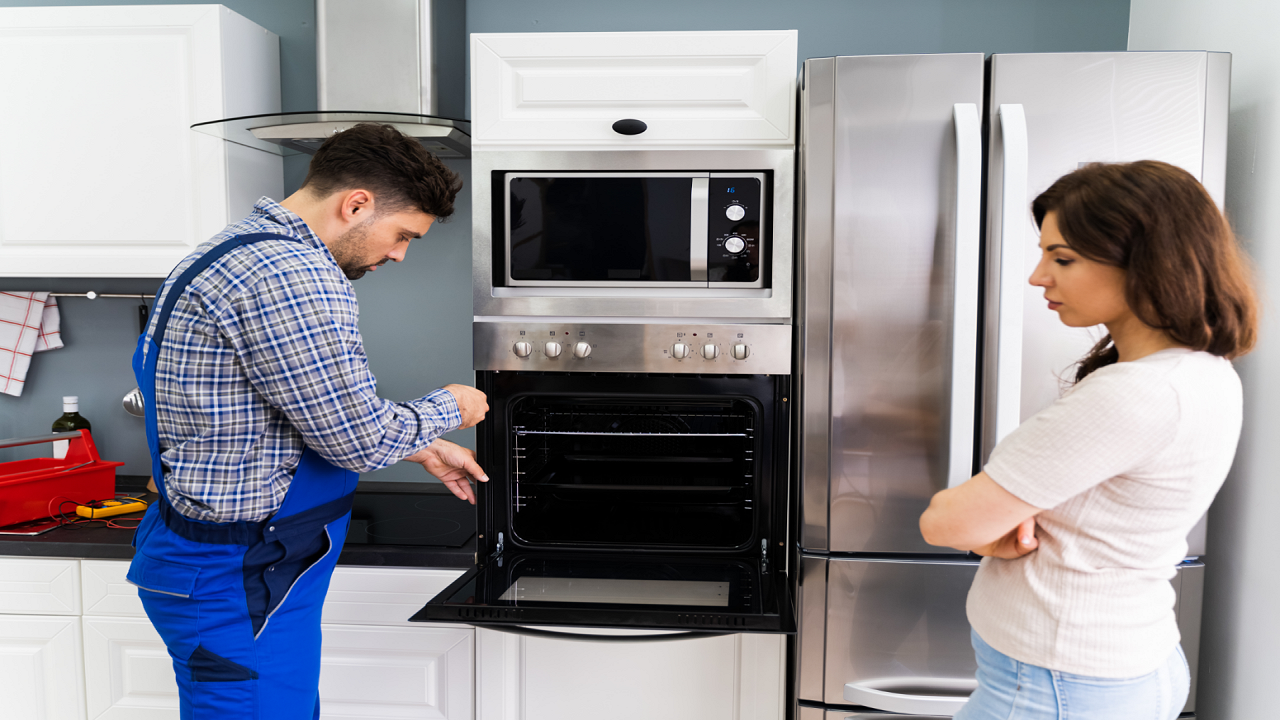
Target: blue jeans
column 1012, row 690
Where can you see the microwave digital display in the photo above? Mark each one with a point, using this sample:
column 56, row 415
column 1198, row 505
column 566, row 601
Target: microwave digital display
column 634, row 229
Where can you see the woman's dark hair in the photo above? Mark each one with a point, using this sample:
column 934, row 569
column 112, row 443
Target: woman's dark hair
column 399, row 172
column 1185, row 273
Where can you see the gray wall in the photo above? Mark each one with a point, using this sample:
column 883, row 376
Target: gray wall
column 415, row 316
column 1241, row 625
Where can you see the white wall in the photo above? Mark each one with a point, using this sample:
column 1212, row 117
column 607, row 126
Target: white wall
column 1240, row 650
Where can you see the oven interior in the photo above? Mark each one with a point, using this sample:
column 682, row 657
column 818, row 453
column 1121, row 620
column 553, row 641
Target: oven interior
column 641, row 463
column 657, row 472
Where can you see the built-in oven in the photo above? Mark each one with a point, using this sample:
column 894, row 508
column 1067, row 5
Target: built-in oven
column 632, row 229
column 620, row 496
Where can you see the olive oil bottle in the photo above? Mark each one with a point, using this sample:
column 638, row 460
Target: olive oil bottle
column 70, row 421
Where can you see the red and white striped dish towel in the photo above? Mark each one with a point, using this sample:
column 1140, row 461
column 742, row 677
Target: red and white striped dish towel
column 29, row 324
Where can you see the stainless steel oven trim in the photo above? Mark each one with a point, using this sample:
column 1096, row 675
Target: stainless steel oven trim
column 632, row 347
column 773, row 303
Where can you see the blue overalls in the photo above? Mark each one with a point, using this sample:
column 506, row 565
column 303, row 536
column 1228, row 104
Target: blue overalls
column 238, row 604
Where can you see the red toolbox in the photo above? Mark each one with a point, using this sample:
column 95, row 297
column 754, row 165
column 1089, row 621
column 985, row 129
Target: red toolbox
column 28, row 487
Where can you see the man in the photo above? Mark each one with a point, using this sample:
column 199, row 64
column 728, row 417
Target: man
column 261, row 410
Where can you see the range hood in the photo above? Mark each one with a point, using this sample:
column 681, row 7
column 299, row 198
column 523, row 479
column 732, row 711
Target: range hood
column 399, row 62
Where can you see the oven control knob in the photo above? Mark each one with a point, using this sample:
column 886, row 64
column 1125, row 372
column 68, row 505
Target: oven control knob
column 679, row 351
column 522, row 349
column 735, row 212
column 552, row 349
column 581, row 350
column 735, row 245
column 740, row 352
column 710, row 351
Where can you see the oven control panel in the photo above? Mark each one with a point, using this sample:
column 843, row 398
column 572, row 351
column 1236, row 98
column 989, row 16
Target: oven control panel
column 667, row 348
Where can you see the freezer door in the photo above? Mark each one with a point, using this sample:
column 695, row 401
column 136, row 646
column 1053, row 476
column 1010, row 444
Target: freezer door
column 1049, row 114
column 891, row 184
column 896, row 639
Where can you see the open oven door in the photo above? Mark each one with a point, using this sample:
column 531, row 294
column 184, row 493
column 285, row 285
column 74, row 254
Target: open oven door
column 694, row 594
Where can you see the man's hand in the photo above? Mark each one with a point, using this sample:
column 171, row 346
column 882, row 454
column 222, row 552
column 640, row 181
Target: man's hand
column 1016, row 543
column 471, row 403
column 452, row 464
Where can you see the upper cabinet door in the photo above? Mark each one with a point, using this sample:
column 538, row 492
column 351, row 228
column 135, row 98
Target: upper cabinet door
column 686, row 89
column 100, row 173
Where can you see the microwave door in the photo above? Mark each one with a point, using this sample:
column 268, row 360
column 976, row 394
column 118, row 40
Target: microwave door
column 618, row 590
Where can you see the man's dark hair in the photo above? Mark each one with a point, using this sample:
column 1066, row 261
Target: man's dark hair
column 399, row 172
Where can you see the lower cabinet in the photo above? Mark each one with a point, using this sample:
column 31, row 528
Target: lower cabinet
column 107, row 662
column 75, row 644
column 732, row 677
column 40, row 661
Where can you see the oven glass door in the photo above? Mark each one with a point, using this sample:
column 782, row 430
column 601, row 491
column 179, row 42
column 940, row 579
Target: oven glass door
column 619, row 591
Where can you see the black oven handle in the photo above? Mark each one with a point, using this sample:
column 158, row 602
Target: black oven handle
column 586, row 637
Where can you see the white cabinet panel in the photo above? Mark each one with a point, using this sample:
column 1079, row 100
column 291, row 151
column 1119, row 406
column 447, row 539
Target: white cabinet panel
column 40, row 668
column 732, row 677
column 690, row 88
column 105, row 101
column 40, row 586
column 382, row 596
column 128, row 672
column 106, row 592
column 382, row 673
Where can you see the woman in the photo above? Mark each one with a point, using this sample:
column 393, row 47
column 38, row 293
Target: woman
column 1082, row 512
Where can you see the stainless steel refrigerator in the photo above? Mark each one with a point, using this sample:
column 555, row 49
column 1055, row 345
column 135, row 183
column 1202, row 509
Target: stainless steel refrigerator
column 919, row 341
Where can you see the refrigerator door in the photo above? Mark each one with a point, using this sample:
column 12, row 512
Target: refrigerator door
column 888, row 306
column 891, row 636
column 1050, row 114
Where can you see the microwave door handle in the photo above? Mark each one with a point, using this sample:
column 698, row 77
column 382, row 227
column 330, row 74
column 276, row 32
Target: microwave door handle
column 964, row 339
column 587, row 637
column 1012, row 269
column 698, row 202
column 946, row 698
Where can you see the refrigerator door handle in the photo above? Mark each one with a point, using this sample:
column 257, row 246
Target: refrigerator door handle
column 964, row 341
column 947, row 695
column 1013, row 253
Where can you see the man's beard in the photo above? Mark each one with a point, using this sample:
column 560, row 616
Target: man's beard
column 349, row 251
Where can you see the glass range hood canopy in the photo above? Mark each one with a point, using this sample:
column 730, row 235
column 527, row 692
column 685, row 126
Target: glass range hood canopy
column 304, row 132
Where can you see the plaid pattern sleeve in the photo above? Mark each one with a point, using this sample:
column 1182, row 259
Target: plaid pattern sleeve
column 263, row 357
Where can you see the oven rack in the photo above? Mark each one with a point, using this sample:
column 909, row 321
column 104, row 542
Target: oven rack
column 521, row 433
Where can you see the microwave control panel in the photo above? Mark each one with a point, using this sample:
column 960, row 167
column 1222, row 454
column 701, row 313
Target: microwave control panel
column 763, row 349
column 734, row 213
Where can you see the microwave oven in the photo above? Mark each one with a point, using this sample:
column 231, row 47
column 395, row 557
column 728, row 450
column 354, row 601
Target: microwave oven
column 633, row 230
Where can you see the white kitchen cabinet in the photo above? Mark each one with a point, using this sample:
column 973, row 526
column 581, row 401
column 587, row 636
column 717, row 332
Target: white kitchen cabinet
column 101, row 174
column 372, row 666
column 40, row 586
column 41, row 667
column 731, row 677
column 128, row 672
column 690, row 88
column 389, row 673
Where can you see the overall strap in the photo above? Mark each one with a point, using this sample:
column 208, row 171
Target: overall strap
column 200, row 265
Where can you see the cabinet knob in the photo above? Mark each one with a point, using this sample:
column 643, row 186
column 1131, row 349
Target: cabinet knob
column 630, row 127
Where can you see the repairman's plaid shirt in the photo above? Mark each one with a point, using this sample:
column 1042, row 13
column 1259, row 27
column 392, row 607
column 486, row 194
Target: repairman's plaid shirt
column 263, row 356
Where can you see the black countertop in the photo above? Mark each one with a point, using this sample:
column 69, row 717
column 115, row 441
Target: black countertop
column 435, row 515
